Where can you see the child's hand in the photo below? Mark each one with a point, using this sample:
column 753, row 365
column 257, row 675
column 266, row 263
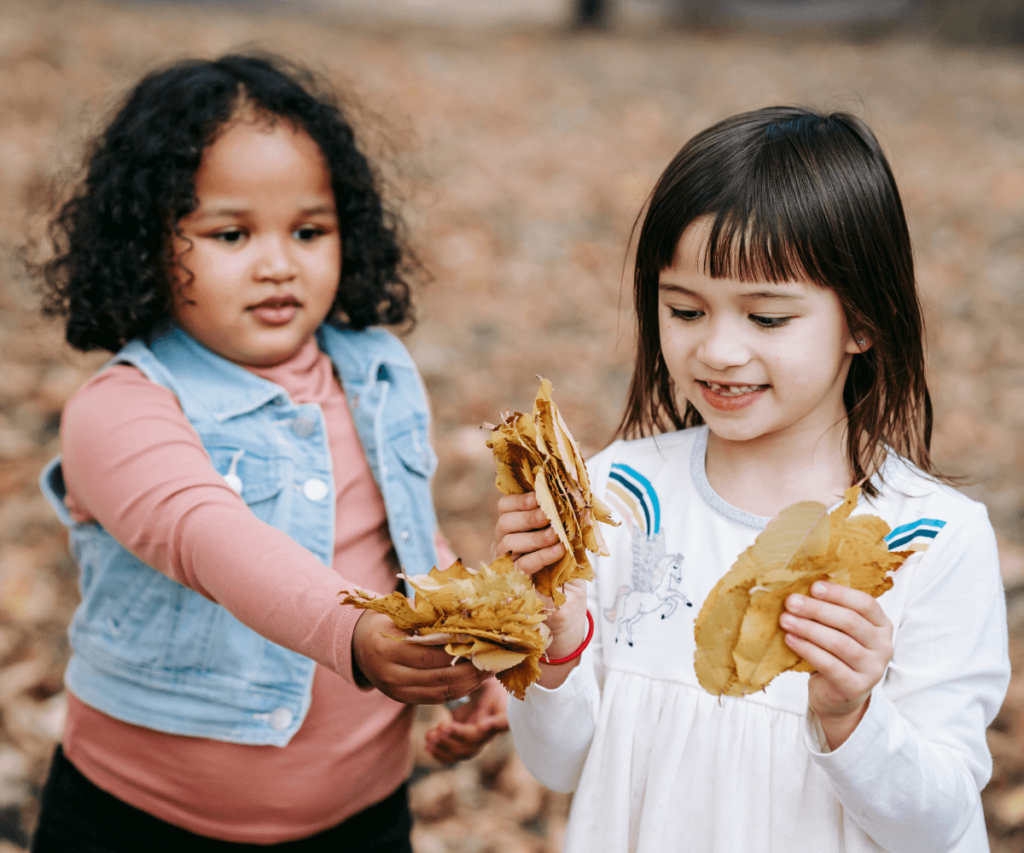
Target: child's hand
column 408, row 672
column 844, row 634
column 472, row 725
column 524, row 530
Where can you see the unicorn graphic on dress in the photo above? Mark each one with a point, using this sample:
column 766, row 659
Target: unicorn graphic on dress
column 656, row 574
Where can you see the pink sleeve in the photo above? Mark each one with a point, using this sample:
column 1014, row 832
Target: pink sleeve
column 133, row 462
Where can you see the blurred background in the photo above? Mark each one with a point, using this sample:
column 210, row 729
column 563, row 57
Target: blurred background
column 520, row 140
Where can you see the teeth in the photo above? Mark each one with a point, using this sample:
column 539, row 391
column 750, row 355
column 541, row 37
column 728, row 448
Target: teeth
column 732, row 390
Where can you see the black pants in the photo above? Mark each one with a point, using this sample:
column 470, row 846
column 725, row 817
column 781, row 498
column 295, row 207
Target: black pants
column 77, row 816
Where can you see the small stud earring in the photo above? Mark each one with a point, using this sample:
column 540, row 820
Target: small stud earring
column 861, row 342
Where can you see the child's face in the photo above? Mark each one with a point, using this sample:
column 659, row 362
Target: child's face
column 754, row 359
column 263, row 246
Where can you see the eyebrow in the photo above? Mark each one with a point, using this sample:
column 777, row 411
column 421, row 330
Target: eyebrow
column 216, row 212
column 753, row 294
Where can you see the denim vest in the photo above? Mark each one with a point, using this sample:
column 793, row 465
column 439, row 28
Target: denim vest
column 152, row 652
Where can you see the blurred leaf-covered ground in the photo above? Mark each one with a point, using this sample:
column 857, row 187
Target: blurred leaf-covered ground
column 521, row 155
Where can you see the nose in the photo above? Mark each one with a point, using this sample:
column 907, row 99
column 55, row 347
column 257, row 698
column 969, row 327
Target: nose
column 275, row 261
column 722, row 345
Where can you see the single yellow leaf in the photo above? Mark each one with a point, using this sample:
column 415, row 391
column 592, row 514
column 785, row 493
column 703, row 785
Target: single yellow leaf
column 498, row 659
column 516, row 679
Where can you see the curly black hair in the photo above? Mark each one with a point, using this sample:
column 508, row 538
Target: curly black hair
column 109, row 276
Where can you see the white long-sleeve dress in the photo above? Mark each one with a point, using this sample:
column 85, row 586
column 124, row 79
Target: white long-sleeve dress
column 660, row 766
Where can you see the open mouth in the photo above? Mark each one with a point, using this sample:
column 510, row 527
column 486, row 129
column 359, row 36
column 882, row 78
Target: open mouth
column 731, row 390
column 729, row 397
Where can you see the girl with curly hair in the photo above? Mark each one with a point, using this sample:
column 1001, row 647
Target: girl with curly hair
column 256, row 444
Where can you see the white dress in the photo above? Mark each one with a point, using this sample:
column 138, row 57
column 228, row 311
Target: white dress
column 659, row 765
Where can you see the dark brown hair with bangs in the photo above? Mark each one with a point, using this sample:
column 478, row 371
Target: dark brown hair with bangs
column 795, row 195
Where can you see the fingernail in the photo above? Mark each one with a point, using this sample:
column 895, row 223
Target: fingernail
column 787, row 621
column 795, row 603
column 818, row 589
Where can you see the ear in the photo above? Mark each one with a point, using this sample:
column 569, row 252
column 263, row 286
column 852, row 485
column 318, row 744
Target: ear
column 858, row 343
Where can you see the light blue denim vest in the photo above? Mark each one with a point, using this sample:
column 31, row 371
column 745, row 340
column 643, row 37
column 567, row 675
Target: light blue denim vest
column 152, row 652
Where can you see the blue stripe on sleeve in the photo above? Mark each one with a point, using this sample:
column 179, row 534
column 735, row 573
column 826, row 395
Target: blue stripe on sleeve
column 921, row 522
column 927, row 534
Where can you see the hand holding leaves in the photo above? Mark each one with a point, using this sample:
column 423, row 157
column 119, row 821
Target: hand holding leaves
column 741, row 646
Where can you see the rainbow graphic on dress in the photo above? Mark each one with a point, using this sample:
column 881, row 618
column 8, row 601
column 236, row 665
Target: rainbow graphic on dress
column 915, row 536
column 633, row 497
column 655, row 575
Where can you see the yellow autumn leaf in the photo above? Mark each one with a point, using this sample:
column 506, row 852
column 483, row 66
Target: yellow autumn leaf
column 740, row 645
column 536, row 452
column 491, row 616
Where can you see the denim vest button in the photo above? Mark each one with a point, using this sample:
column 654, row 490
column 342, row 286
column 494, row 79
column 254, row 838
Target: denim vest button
column 303, row 427
column 314, row 489
column 405, row 535
column 280, row 719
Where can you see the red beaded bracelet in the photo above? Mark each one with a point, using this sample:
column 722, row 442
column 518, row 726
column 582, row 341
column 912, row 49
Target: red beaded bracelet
column 579, row 651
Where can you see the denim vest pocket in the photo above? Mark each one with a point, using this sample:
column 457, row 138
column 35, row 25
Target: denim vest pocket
column 124, row 613
column 413, row 449
column 253, row 471
column 223, row 647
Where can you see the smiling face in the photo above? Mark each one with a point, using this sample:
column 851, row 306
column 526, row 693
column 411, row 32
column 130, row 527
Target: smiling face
column 259, row 260
column 756, row 360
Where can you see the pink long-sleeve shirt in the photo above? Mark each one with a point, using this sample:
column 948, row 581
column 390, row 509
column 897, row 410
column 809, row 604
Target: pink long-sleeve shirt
column 133, row 463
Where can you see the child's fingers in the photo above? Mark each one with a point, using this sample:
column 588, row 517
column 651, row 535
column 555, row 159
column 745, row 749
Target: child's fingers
column 836, row 644
column 526, row 543
column 845, row 635
column 434, row 686
column 517, row 503
column 848, row 683
column 849, row 611
column 408, row 672
column 536, row 560
column 448, row 751
column 453, row 741
column 852, row 599
column 513, row 523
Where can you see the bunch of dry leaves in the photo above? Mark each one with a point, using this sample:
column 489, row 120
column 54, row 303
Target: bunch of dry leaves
column 537, row 453
column 740, row 645
column 493, row 615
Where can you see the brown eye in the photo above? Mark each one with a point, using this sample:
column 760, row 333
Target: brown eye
column 770, row 322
